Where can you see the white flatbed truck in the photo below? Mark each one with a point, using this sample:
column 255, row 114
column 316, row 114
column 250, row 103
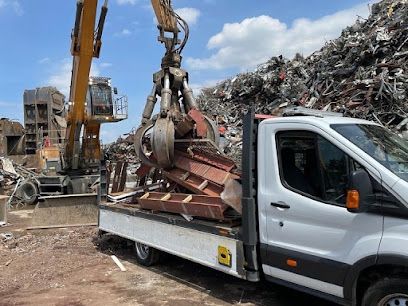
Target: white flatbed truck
column 325, row 211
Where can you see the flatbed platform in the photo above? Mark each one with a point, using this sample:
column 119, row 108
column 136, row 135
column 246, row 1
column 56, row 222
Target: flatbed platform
column 228, row 228
column 213, row 244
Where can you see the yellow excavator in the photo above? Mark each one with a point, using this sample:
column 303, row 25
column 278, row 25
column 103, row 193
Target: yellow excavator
column 70, row 196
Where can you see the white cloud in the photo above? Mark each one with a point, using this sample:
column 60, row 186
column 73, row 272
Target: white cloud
column 18, row 9
column 124, row 32
column 105, row 65
column 124, row 2
column 14, row 4
column 189, row 14
column 197, row 87
column 254, row 40
column 44, row 60
column 61, row 78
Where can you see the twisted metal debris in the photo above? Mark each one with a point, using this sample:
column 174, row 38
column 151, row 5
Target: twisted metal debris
column 363, row 73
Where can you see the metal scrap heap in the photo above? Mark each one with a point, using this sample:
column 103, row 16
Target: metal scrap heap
column 363, row 73
column 122, row 150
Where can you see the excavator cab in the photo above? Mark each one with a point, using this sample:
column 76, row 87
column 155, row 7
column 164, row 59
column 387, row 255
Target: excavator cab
column 103, row 102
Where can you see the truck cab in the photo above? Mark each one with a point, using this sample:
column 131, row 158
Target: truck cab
column 307, row 168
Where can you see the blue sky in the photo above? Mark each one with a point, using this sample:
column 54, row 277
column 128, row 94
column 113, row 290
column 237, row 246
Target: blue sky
column 227, row 37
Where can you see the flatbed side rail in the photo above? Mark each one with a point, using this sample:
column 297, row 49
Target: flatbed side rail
column 249, row 207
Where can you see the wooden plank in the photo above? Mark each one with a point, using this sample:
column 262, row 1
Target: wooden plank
column 185, row 176
column 59, row 226
column 203, row 185
column 188, row 199
column 145, row 196
column 166, row 197
column 118, row 263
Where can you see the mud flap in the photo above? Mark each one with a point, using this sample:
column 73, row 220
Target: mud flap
column 69, row 210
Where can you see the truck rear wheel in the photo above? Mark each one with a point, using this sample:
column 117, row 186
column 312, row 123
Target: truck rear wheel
column 145, row 255
column 387, row 292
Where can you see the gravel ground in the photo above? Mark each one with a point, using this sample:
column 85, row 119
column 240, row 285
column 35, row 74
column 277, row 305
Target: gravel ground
column 73, row 267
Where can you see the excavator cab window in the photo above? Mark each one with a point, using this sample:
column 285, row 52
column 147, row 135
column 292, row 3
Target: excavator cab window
column 101, row 100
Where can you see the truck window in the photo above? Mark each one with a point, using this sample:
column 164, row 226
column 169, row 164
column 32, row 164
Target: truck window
column 386, row 147
column 311, row 165
column 101, row 99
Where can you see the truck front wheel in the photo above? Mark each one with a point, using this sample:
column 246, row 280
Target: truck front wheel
column 145, row 255
column 387, row 292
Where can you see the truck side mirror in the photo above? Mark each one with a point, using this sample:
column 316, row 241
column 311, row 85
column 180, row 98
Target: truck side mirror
column 360, row 189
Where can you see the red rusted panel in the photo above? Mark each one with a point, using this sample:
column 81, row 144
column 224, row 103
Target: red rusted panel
column 143, row 170
column 262, row 117
column 205, row 151
column 199, row 119
column 215, row 160
column 199, row 206
column 205, row 171
column 192, row 183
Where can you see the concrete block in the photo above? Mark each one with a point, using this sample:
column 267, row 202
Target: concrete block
column 3, row 209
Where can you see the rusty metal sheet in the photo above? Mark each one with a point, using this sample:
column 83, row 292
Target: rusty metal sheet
column 193, row 182
column 143, row 170
column 207, row 156
column 119, row 180
column 197, row 206
column 205, row 171
column 199, row 119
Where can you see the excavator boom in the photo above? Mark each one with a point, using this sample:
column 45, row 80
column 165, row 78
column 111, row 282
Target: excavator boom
column 164, row 15
column 85, row 46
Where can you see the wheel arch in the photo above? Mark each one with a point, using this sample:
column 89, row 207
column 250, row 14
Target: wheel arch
column 370, row 269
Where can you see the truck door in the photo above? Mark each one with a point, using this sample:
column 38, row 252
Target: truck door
column 311, row 239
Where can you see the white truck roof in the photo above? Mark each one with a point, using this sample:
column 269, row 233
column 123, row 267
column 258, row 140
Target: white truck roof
column 319, row 121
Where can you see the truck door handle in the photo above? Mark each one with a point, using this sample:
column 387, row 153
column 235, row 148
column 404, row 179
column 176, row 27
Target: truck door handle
column 281, row 205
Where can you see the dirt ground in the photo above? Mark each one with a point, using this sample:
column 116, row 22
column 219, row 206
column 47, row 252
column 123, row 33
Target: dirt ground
column 72, row 266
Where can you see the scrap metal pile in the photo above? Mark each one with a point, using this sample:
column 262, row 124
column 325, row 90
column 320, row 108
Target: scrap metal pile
column 122, row 150
column 14, row 181
column 363, row 73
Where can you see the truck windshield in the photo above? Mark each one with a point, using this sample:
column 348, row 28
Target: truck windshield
column 386, row 147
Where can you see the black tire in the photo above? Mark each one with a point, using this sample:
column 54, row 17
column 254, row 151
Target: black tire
column 28, row 192
column 145, row 255
column 101, row 233
column 387, row 292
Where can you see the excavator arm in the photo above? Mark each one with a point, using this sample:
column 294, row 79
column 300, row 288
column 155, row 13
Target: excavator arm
column 165, row 17
column 86, row 44
column 179, row 118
